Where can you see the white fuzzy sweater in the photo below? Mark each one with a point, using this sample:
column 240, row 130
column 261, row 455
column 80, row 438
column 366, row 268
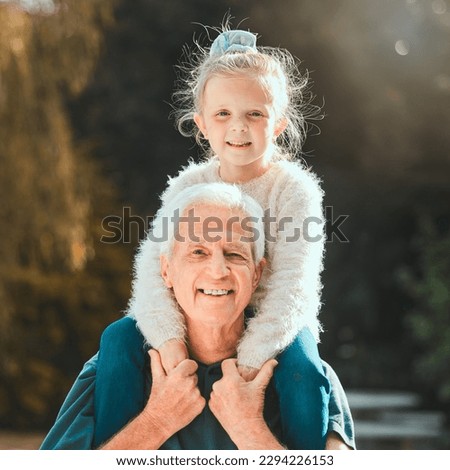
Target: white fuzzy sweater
column 288, row 297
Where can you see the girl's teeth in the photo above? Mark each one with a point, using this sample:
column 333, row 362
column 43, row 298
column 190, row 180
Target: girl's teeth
column 239, row 144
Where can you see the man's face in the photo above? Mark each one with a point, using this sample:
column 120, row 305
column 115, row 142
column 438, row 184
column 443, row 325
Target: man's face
column 211, row 270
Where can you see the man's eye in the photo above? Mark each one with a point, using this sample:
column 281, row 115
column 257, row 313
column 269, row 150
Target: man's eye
column 235, row 255
column 198, row 252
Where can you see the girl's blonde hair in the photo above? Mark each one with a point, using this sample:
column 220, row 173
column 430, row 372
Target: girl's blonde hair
column 276, row 69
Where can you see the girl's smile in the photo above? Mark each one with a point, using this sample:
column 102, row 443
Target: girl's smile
column 239, row 121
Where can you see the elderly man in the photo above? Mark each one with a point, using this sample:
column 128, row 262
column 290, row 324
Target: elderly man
column 213, row 265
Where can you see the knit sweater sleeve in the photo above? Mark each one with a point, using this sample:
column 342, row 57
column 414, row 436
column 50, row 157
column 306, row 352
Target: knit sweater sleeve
column 152, row 303
column 290, row 295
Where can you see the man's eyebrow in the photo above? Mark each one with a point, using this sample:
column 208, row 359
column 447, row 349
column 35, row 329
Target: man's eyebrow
column 243, row 246
column 199, row 242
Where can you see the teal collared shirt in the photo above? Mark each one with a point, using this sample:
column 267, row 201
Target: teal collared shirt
column 74, row 426
column 205, row 432
column 91, row 414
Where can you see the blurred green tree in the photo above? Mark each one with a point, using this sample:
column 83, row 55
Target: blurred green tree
column 429, row 320
column 58, row 284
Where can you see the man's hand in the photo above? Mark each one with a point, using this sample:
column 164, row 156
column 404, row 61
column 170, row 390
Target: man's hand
column 175, row 399
column 248, row 373
column 238, row 405
column 172, row 353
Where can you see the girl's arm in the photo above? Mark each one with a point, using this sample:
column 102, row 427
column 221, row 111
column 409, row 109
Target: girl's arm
column 290, row 299
column 152, row 304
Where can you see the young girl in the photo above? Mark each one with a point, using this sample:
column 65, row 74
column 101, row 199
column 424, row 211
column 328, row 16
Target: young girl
column 247, row 103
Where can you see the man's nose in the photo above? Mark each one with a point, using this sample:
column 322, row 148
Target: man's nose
column 218, row 266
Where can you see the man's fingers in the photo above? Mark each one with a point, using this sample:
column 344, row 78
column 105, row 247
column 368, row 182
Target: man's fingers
column 187, row 367
column 172, row 352
column 265, row 374
column 229, row 367
column 155, row 364
column 248, row 373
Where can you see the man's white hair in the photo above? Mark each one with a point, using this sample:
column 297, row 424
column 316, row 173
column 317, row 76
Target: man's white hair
column 220, row 195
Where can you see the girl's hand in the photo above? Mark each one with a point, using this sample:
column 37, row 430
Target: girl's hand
column 172, row 353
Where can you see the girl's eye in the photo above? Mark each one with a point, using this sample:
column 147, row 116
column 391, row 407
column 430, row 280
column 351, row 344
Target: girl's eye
column 222, row 113
column 256, row 114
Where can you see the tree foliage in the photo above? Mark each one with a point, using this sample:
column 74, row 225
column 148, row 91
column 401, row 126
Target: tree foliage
column 429, row 320
column 53, row 291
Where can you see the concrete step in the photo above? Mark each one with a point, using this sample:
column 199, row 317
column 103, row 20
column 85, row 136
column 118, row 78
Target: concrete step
column 387, row 419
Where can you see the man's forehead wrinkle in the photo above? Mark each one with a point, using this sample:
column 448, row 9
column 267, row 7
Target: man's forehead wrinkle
column 203, row 227
column 229, row 244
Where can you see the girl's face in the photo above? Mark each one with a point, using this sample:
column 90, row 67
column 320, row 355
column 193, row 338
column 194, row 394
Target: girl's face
column 238, row 120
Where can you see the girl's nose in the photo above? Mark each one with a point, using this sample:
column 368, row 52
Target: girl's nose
column 239, row 125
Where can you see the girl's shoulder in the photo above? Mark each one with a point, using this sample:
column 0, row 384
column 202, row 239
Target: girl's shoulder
column 198, row 171
column 294, row 174
column 192, row 173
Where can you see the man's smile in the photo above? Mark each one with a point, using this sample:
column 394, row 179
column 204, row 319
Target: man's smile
column 216, row 292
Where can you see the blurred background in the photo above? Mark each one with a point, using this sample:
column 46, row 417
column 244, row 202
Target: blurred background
column 85, row 134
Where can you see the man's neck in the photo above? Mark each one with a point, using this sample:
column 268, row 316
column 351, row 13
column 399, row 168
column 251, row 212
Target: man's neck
column 209, row 344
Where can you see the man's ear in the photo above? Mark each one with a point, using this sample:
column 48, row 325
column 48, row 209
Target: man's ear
column 200, row 122
column 165, row 271
column 259, row 268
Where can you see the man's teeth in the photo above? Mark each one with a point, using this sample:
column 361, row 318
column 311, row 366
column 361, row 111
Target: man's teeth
column 216, row 291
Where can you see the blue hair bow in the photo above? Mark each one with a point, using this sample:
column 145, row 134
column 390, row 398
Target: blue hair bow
column 233, row 41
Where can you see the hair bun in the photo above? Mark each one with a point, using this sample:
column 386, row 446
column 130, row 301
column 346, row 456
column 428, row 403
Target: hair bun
column 233, row 41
